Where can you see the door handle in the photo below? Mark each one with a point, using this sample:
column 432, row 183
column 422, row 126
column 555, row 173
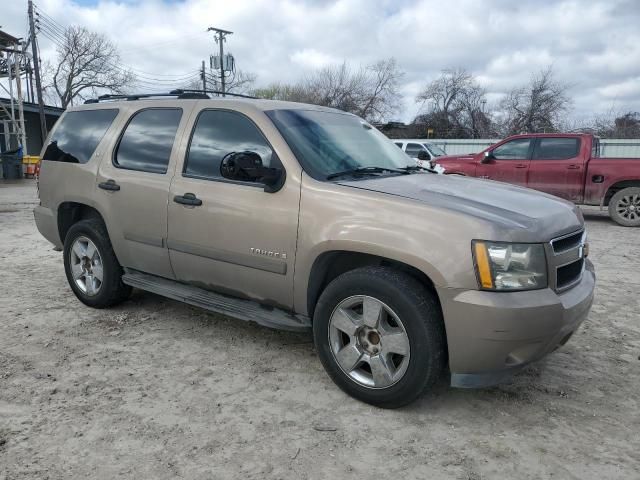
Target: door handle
column 188, row 199
column 110, row 185
column 521, row 165
column 573, row 167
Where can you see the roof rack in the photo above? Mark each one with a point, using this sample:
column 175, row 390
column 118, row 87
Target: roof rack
column 178, row 93
column 217, row 92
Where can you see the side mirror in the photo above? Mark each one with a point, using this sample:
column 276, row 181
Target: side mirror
column 247, row 167
column 423, row 155
column 488, row 157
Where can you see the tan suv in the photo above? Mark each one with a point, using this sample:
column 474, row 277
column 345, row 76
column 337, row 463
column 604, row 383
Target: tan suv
column 296, row 217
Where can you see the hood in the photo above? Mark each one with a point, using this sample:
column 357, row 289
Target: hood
column 514, row 213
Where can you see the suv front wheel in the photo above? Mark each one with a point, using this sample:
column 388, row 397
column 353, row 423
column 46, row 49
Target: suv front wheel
column 380, row 336
column 92, row 269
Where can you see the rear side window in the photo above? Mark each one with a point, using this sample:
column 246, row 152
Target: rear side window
column 218, row 133
column 148, row 139
column 595, row 148
column 78, row 134
column 556, row 148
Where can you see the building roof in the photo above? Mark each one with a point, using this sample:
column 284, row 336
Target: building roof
column 33, row 107
column 7, row 40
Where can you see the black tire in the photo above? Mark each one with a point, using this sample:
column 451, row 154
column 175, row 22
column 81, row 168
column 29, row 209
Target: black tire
column 626, row 218
column 112, row 291
column 418, row 311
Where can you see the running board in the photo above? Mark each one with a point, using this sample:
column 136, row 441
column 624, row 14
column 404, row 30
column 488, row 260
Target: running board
column 234, row 307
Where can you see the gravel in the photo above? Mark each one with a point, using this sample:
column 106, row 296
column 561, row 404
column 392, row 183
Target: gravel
column 157, row 389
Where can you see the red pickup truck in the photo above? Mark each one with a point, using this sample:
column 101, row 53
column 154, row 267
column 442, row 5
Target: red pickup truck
column 565, row 165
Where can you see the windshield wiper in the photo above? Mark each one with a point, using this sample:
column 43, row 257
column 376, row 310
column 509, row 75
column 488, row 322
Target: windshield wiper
column 366, row 170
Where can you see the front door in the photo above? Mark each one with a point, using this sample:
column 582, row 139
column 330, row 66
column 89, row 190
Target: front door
column 509, row 163
column 557, row 167
column 233, row 237
column 414, row 149
column 133, row 188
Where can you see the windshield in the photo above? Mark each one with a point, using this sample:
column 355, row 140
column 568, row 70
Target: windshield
column 435, row 150
column 326, row 143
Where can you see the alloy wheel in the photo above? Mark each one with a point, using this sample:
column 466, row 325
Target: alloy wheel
column 369, row 341
column 86, row 266
column 628, row 207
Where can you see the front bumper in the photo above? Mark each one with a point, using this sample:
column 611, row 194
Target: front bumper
column 491, row 335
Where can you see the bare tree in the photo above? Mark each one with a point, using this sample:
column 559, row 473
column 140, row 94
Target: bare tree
column 370, row 92
column 611, row 124
column 381, row 82
column 445, row 92
column 241, row 82
column 282, row 91
column 453, row 105
column 87, row 63
column 538, row 106
column 193, row 84
column 336, row 86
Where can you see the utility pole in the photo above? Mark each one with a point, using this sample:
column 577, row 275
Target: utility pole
column 36, row 69
column 23, row 136
column 33, row 97
column 220, row 36
column 203, row 73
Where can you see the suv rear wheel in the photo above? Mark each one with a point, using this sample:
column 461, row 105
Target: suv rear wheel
column 92, row 269
column 380, row 336
column 624, row 207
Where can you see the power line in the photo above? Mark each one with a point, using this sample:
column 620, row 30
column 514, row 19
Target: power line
column 59, row 40
column 144, row 83
column 56, row 33
column 143, row 80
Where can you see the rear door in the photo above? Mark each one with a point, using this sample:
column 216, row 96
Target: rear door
column 133, row 188
column 557, row 167
column 238, row 238
column 510, row 162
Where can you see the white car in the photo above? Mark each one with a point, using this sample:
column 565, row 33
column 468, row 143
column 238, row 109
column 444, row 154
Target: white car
column 424, row 153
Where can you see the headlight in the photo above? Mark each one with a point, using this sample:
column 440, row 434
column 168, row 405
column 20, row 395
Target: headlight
column 510, row 266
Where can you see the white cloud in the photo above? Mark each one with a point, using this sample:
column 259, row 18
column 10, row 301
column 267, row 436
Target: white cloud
column 311, row 58
column 629, row 89
column 595, row 46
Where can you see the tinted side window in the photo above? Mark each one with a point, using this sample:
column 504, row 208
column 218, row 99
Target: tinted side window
column 78, row 134
column 595, row 148
column 514, row 150
column 556, row 148
column 148, row 139
column 413, row 149
column 218, row 133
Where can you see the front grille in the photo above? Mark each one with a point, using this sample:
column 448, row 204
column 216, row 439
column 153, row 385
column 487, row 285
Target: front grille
column 567, row 259
column 563, row 244
column 569, row 274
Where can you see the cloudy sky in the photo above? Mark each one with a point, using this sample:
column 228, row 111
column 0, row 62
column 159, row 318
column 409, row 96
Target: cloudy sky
column 593, row 45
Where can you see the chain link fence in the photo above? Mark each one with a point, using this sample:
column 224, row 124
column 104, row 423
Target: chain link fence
column 616, row 148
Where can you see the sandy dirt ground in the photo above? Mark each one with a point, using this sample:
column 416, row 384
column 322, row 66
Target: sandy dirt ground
column 157, row 389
